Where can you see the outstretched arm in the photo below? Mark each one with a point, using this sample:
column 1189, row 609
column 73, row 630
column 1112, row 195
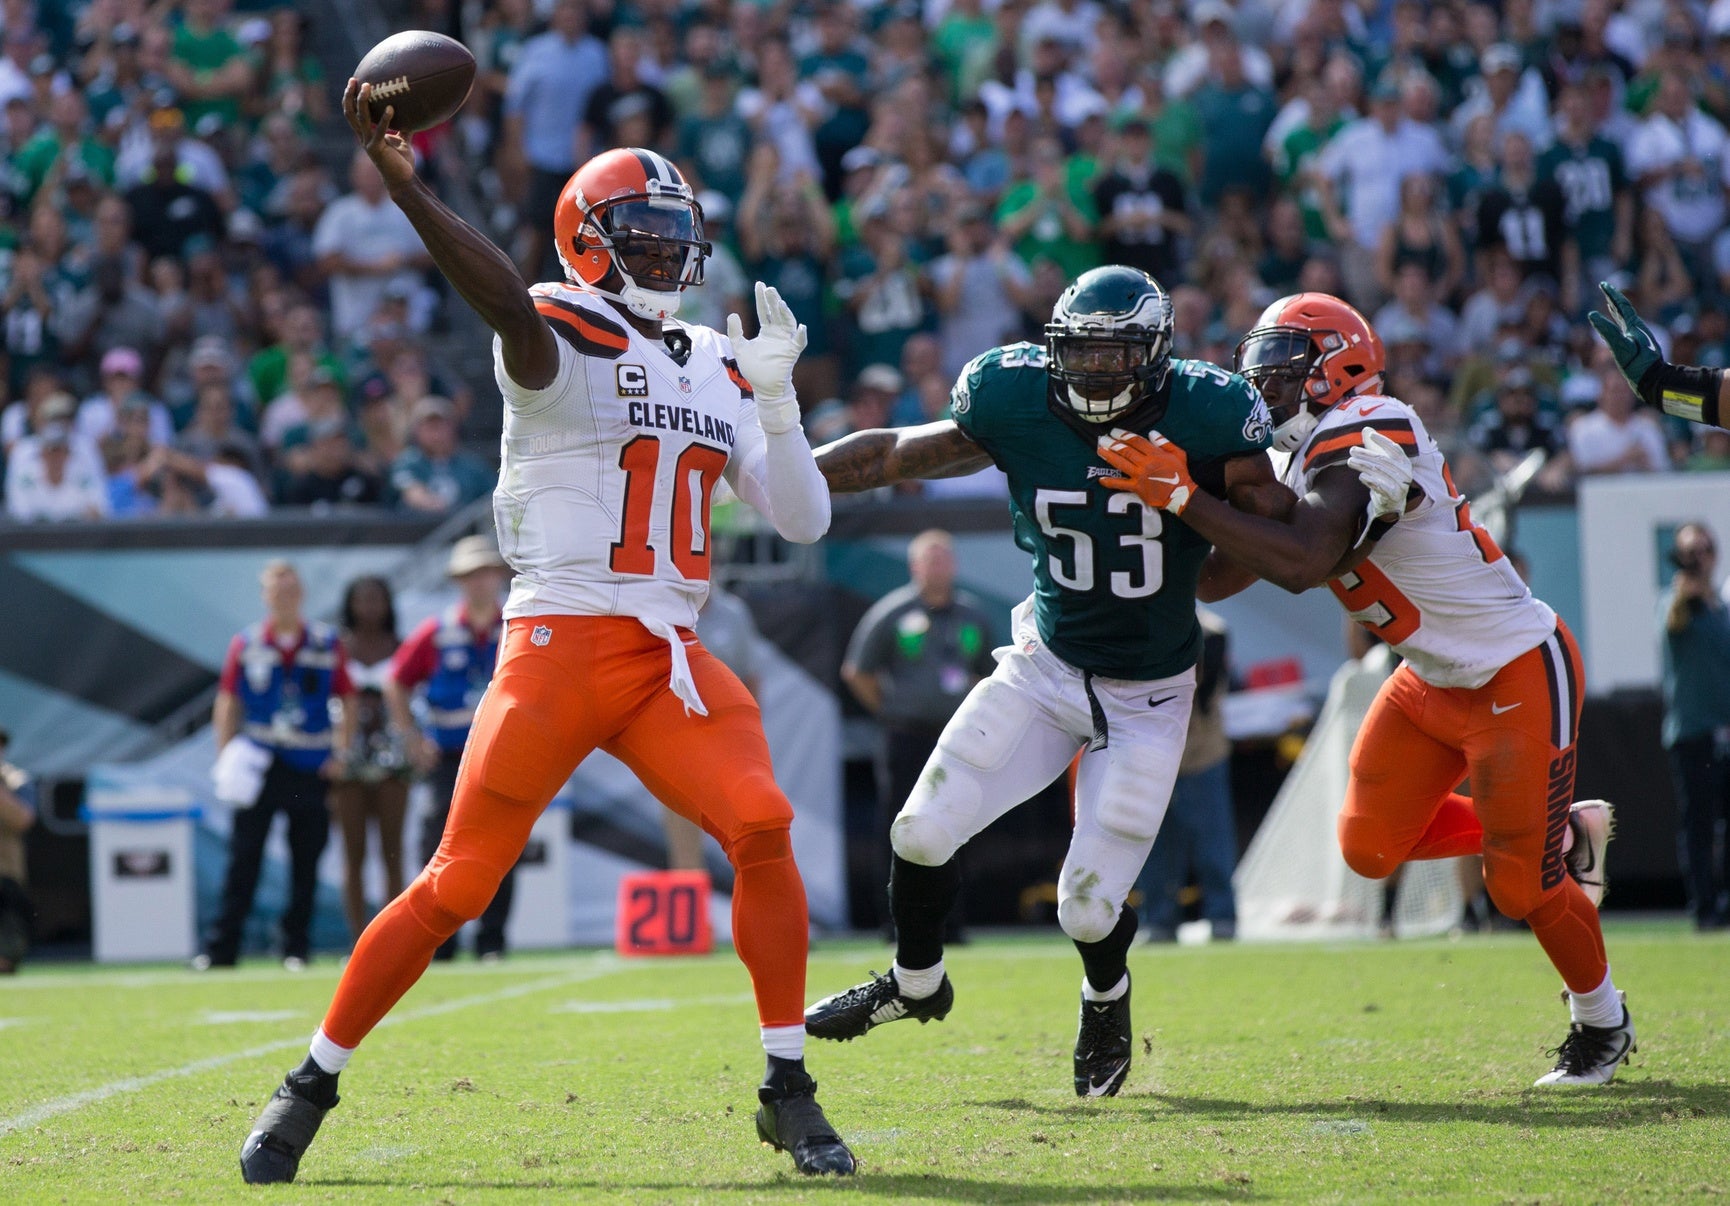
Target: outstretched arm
column 1700, row 395
column 485, row 276
column 1320, row 541
column 881, row 457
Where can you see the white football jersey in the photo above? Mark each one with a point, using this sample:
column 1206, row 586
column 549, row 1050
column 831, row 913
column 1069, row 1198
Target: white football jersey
column 606, row 475
column 1435, row 587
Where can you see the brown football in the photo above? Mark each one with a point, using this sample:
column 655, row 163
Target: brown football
column 424, row 76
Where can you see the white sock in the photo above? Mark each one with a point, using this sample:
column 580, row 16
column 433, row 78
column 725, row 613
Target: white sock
column 1090, row 993
column 327, row 1054
column 784, row 1042
column 1600, row 1007
column 917, row 985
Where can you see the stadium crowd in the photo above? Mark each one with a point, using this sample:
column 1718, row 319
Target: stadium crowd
column 201, row 314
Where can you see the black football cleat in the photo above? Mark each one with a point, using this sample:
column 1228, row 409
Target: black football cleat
column 847, row 1015
column 790, row 1120
column 1103, row 1047
column 283, row 1132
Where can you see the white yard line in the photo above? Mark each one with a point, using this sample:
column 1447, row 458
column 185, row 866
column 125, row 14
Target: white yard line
column 38, row 1114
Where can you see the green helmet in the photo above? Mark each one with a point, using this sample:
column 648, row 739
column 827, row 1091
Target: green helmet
column 1108, row 346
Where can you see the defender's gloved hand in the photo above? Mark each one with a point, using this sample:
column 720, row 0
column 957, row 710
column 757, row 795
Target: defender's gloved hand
column 1154, row 469
column 1686, row 391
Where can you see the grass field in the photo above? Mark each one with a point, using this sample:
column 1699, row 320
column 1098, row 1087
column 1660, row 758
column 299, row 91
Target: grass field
column 1349, row 1074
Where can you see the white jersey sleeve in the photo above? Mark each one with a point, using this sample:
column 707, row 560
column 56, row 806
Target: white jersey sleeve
column 1436, row 586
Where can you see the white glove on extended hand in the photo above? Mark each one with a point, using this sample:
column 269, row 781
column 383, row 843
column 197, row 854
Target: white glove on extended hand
column 1384, row 467
column 767, row 361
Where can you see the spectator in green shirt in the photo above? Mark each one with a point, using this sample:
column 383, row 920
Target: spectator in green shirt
column 67, row 133
column 207, row 66
column 1050, row 216
column 1588, row 168
column 302, row 331
column 433, row 473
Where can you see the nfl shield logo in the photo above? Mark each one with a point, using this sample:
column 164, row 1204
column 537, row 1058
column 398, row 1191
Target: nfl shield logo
column 541, row 635
column 684, row 384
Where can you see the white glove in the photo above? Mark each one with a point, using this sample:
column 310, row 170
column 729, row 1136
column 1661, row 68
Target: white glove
column 1384, row 467
column 767, row 361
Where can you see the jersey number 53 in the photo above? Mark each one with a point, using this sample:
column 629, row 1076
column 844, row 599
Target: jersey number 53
column 1075, row 571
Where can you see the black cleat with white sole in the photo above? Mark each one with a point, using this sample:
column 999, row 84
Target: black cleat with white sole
column 283, row 1132
column 847, row 1015
column 790, row 1120
column 1103, row 1047
column 1590, row 1055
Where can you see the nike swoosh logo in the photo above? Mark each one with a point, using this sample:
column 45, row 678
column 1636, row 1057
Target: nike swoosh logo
column 1101, row 1088
column 1154, row 703
column 1166, row 481
column 1497, row 709
column 1366, row 411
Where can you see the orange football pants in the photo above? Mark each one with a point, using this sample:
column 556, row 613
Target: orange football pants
column 596, row 682
column 1515, row 736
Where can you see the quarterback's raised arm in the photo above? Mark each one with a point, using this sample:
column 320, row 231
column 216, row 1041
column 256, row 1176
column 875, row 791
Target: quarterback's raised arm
column 771, row 467
column 483, row 274
column 882, row 457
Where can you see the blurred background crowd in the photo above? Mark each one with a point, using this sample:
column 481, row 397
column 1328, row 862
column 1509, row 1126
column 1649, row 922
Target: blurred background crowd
column 210, row 306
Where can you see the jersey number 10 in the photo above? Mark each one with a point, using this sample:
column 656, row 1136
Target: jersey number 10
column 694, row 476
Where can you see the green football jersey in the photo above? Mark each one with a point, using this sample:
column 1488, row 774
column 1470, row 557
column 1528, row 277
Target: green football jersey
column 1114, row 579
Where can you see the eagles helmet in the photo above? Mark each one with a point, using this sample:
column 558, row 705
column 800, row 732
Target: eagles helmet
column 1108, row 348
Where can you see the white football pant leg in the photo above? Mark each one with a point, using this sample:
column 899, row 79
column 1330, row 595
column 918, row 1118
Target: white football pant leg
column 1004, row 744
column 1121, row 794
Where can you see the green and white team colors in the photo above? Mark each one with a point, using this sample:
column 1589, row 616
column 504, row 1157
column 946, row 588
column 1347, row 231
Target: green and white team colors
column 1104, row 651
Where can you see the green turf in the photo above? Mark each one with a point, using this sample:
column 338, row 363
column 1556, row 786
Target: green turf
column 1346, row 1074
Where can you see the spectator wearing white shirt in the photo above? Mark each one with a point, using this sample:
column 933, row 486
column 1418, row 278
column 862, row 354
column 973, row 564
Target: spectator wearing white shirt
column 1677, row 158
column 365, row 244
column 1614, row 437
column 1414, row 302
column 45, row 481
column 1358, row 177
column 1191, row 67
column 1513, row 96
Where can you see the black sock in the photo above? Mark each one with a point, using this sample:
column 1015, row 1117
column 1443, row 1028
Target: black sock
column 920, row 899
column 314, row 1083
column 781, row 1075
column 1107, row 960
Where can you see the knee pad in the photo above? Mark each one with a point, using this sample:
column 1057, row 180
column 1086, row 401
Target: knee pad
column 1087, row 918
column 1367, row 850
column 459, row 890
column 988, row 727
column 760, row 846
column 920, row 839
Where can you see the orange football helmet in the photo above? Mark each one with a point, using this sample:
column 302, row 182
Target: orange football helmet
column 1307, row 353
column 628, row 225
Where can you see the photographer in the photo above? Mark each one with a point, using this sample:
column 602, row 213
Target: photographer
column 1697, row 716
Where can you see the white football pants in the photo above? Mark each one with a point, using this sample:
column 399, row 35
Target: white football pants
column 1016, row 732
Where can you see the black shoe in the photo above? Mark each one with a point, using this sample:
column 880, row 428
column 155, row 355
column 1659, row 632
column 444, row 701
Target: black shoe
column 1102, row 1047
column 790, row 1120
column 285, row 1129
column 847, row 1015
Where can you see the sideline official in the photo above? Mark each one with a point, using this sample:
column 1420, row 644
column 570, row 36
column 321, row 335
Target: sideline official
column 912, row 660
column 283, row 689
